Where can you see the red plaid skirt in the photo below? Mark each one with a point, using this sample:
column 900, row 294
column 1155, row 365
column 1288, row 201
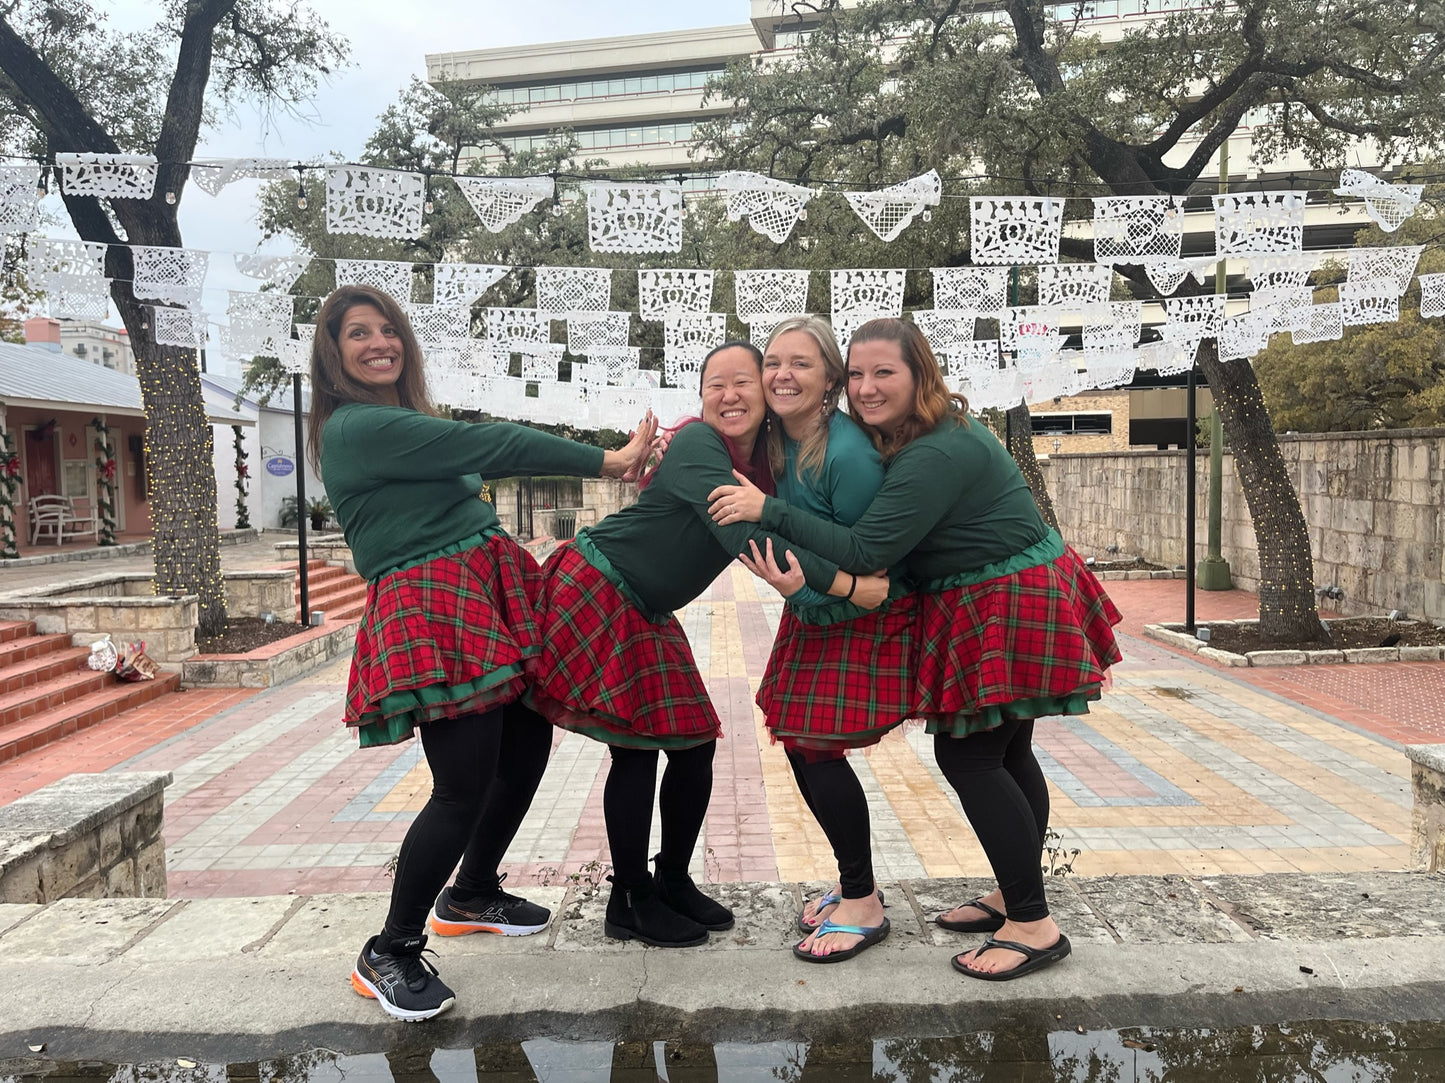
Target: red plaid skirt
column 607, row 671
column 1043, row 633
column 446, row 637
column 841, row 685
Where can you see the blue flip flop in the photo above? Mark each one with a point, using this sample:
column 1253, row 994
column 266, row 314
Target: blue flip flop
column 824, row 900
column 870, row 934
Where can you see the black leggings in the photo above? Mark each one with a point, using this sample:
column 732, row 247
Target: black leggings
column 1004, row 796
column 835, row 797
column 526, row 747
column 682, row 801
column 485, row 769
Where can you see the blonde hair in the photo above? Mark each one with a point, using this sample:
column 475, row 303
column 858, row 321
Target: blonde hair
column 932, row 401
column 813, row 448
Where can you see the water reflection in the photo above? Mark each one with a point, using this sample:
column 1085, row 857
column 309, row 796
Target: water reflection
column 1321, row 1052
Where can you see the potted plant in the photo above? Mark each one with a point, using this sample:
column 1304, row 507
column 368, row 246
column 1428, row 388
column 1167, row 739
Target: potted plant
column 320, row 511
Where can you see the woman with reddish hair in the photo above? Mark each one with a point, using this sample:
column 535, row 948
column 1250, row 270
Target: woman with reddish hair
column 1011, row 625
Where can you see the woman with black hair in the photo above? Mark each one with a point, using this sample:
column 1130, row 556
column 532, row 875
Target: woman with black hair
column 616, row 665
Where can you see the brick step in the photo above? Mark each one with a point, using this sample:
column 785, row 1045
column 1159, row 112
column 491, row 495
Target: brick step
column 15, row 629
column 59, row 722
column 32, row 646
column 33, row 671
column 343, row 591
column 46, row 695
column 325, row 574
column 336, row 607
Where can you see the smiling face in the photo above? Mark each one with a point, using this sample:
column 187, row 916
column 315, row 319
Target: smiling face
column 732, row 397
column 881, row 388
column 795, row 380
column 371, row 348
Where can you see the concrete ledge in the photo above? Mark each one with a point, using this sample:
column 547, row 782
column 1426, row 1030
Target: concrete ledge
column 273, row 663
column 95, row 836
column 137, row 979
column 1427, row 820
column 1174, row 635
column 111, row 552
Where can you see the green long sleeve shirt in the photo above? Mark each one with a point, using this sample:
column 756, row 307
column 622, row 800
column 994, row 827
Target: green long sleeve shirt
column 405, row 484
column 952, row 501
column 666, row 547
column 840, row 491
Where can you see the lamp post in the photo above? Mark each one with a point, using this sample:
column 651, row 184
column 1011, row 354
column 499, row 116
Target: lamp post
column 1213, row 571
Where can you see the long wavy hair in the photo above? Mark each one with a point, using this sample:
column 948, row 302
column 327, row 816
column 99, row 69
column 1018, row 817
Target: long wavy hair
column 331, row 387
column 814, row 446
column 754, row 467
column 932, row 401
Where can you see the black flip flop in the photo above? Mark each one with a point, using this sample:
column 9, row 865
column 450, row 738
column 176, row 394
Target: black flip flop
column 990, row 924
column 1034, row 958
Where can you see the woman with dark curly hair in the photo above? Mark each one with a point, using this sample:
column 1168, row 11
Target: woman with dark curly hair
column 448, row 634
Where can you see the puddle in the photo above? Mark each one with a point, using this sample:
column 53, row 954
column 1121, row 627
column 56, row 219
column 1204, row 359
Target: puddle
column 1324, row 1052
column 1175, row 693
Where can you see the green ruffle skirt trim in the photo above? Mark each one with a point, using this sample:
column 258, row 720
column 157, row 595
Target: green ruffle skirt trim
column 1045, row 551
column 995, row 715
column 398, row 713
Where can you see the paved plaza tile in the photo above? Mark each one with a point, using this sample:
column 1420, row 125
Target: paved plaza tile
column 1182, row 768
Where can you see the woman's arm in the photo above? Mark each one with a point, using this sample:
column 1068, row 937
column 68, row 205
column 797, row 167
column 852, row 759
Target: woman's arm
column 916, row 493
column 405, row 445
column 696, row 464
column 867, row 591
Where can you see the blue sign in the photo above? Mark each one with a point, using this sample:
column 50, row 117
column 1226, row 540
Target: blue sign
column 280, row 466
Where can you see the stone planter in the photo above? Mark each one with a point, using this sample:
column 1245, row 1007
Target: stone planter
column 125, row 607
column 1175, row 636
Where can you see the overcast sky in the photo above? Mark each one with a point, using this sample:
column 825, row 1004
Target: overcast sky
column 389, row 43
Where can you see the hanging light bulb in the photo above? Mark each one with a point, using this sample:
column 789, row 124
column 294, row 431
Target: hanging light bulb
column 928, row 215
column 803, row 215
column 171, row 197
column 428, row 206
column 301, row 196
column 557, row 209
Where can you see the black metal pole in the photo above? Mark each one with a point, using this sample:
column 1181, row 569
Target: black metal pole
column 300, row 498
column 1190, row 485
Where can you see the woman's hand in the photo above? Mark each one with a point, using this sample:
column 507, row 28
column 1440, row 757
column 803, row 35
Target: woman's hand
column 871, row 591
column 627, row 463
column 765, row 567
column 740, row 503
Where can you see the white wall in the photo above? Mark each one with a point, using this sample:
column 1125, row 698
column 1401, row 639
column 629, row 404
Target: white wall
column 277, row 436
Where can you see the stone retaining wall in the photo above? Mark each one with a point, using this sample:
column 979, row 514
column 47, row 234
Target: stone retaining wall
column 124, row 607
column 273, row 663
column 1374, row 502
column 86, row 836
column 1427, row 822
column 256, row 593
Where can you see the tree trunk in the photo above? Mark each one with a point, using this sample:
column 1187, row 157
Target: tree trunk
column 1288, row 609
column 1019, row 440
column 181, row 481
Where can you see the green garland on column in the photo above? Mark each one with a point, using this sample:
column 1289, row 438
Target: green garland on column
column 9, row 487
column 105, row 474
column 243, row 482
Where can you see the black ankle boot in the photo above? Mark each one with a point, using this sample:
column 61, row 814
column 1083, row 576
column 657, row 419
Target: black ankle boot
column 676, row 888
column 634, row 912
